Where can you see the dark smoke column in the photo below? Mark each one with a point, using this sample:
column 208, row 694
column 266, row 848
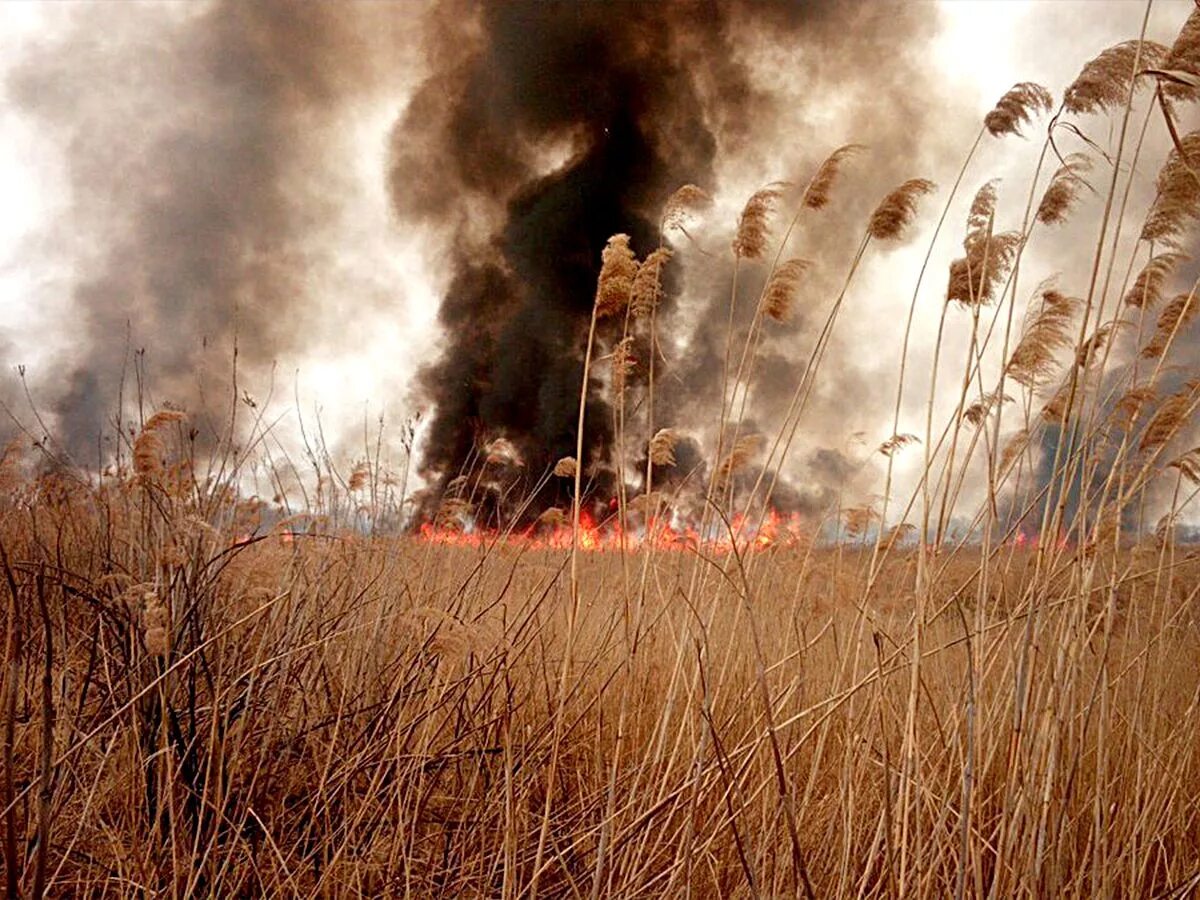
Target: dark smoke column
column 641, row 96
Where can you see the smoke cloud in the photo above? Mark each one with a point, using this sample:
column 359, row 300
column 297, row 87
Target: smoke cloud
column 195, row 154
column 547, row 127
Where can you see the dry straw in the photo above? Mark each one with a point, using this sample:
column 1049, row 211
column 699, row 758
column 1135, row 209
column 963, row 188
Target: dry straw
column 1172, row 414
column 897, row 442
column 1033, row 361
column 743, row 451
column 753, row 230
column 1174, row 316
column 819, row 189
column 1177, row 201
column 1104, row 81
column 682, row 204
column 898, row 209
column 1017, row 107
column 1065, row 187
column 978, row 411
column 662, row 447
column 647, row 284
column 779, row 296
column 1148, row 286
column 618, row 269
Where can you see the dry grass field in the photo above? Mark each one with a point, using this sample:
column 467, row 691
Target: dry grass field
column 995, row 694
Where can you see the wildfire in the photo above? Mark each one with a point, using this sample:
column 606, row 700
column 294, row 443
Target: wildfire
column 774, row 531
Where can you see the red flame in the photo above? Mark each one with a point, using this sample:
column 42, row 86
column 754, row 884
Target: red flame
column 774, row 531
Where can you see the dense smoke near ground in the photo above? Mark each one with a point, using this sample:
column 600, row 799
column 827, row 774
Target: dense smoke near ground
column 634, row 101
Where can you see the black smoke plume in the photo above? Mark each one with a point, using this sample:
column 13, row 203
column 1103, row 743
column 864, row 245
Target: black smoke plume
column 545, row 128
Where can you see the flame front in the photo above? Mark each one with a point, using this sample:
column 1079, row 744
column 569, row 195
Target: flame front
column 773, row 531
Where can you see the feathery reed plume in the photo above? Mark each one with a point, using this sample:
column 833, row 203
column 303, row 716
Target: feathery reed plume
column 647, row 284
column 157, row 620
column 1012, row 449
column 553, row 518
column 898, row 209
column 1106, row 529
column 622, row 362
column 565, row 467
column 1147, row 287
column 457, row 483
column 1097, row 341
column 1132, row 402
column 502, row 452
column 981, row 212
column 1032, row 362
column 743, row 451
column 753, row 231
column 1165, row 530
column 780, row 292
column 162, row 418
column 686, row 201
column 1188, row 465
column 1174, row 316
column 1055, row 411
column 1064, row 189
column 816, row 195
column 898, row 534
column 978, row 411
column 1017, row 107
column 1170, row 416
column 1184, row 58
column 975, row 277
column 897, row 442
column 858, row 519
column 149, row 449
column 358, row 477
column 453, row 513
column 1177, row 199
column 1104, row 81
column 662, row 447
column 618, row 268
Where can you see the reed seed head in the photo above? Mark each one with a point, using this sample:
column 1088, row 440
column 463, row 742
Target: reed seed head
column 1017, row 107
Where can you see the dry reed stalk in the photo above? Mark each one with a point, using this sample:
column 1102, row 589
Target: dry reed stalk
column 1177, row 200
column 1017, row 108
column 1097, row 341
column 1107, row 80
column 1174, row 316
column 1172, row 414
column 753, row 229
column 1183, row 58
column 895, row 213
column 896, row 443
column 1147, row 288
column 1064, row 189
column 779, row 295
column 618, row 269
column 1033, row 361
column 685, row 202
column 647, row 284
column 744, row 449
column 623, row 364
column 662, row 447
column 978, row 411
column 819, row 190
